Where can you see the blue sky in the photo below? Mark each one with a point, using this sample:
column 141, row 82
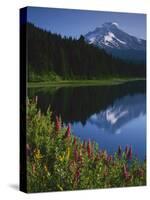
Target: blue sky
column 76, row 22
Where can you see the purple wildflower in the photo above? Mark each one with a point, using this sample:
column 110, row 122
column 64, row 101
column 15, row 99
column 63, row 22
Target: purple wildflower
column 129, row 154
column 68, row 133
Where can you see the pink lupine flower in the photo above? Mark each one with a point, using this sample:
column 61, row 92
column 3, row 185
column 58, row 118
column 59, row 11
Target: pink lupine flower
column 74, row 141
column 129, row 155
column 126, row 150
column 89, row 148
column 68, row 133
column 57, row 124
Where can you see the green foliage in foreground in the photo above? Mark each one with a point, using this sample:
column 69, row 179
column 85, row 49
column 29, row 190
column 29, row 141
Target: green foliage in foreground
column 57, row 160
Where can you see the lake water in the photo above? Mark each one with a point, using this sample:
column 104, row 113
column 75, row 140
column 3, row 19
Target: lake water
column 110, row 115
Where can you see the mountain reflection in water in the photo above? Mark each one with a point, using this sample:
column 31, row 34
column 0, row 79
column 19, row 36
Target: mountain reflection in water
column 110, row 115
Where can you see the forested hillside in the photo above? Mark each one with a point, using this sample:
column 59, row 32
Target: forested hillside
column 53, row 56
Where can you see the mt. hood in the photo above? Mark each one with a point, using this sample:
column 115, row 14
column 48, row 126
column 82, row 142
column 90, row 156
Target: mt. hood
column 117, row 42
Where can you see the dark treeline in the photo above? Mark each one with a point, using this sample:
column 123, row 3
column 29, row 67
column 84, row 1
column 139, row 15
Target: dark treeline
column 79, row 103
column 73, row 59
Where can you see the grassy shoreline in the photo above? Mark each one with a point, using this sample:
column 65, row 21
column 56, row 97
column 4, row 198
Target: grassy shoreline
column 72, row 83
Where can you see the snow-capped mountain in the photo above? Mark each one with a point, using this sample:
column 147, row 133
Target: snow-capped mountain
column 111, row 38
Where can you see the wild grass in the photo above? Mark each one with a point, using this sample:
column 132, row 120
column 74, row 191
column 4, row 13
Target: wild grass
column 78, row 83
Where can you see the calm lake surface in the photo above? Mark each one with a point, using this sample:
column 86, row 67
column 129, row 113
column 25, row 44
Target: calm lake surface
column 110, row 115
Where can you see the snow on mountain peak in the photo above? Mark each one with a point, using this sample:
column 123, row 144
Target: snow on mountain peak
column 109, row 35
column 110, row 38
